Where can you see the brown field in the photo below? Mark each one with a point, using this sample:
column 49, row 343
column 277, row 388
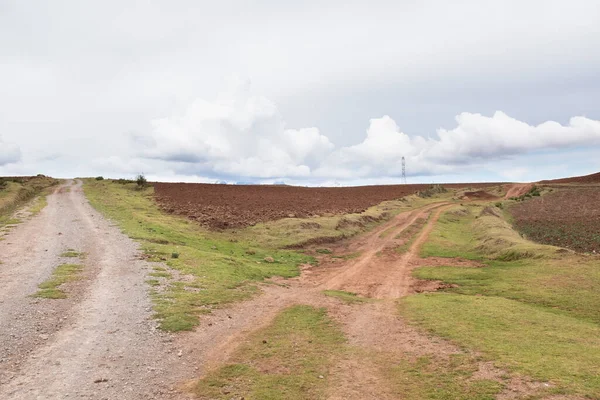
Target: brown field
column 592, row 178
column 568, row 217
column 231, row 206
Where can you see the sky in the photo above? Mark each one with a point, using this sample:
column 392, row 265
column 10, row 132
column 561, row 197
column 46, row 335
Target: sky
column 307, row 93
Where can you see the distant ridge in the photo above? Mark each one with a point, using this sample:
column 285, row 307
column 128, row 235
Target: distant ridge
column 592, row 178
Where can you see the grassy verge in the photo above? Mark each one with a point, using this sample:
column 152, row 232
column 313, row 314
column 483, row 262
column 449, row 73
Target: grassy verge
column 532, row 308
column 212, row 269
column 290, row 359
column 64, row 273
column 15, row 192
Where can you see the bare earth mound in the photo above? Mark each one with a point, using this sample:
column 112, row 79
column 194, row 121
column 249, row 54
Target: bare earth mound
column 231, row 206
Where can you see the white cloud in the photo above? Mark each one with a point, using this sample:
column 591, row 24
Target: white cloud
column 9, row 153
column 236, row 135
column 475, row 140
column 244, row 136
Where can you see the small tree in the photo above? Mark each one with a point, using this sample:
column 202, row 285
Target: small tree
column 141, row 181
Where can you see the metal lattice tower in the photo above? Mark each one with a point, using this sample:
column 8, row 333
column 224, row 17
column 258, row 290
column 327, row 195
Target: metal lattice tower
column 403, row 170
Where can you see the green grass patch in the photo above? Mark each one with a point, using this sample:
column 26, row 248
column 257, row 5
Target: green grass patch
column 452, row 235
column 348, row 297
column 430, row 377
column 225, row 266
column 323, row 251
column 50, row 289
column 290, row 359
column 161, row 274
column 72, row 254
column 536, row 341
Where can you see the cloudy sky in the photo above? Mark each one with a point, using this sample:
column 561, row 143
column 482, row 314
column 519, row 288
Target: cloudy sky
column 306, row 92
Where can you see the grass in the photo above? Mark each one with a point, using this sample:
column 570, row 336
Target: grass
column 39, row 203
column 515, row 268
column 290, row 359
column 347, row 297
column 50, row 289
column 451, row 236
column 225, row 268
column 70, row 253
column 16, row 192
column 430, row 377
column 531, row 308
column 529, row 339
column 323, row 251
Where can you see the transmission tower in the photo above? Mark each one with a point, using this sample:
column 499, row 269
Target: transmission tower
column 403, row 170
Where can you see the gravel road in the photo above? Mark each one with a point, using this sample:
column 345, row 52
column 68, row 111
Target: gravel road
column 100, row 342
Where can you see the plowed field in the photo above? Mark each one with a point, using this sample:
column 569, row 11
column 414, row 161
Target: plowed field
column 568, row 218
column 592, row 178
column 231, row 206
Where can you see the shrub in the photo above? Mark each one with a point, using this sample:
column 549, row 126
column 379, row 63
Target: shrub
column 174, row 255
column 141, row 181
column 99, row 178
column 432, row 191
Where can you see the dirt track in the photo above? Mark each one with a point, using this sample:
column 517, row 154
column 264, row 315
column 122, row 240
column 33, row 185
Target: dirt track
column 54, row 349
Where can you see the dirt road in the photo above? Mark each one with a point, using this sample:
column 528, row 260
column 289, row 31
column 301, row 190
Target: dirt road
column 380, row 271
column 100, row 342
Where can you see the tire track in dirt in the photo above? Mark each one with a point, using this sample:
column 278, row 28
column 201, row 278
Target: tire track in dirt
column 101, row 343
column 380, row 272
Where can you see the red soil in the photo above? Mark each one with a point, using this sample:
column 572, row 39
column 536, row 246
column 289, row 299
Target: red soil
column 231, row 206
column 568, row 218
column 592, row 178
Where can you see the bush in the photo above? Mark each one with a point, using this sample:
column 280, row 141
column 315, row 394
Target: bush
column 174, row 255
column 432, row 191
column 99, row 178
column 141, row 181
column 122, row 181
